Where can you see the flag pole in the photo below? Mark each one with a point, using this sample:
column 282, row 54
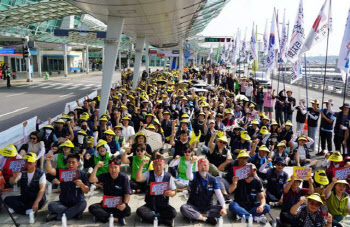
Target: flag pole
column 346, row 82
column 324, row 85
column 307, row 85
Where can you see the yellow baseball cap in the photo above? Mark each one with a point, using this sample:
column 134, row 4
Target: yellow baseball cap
column 263, row 148
column 321, row 177
column 336, row 157
column 264, row 130
column 9, row 151
column 281, row 144
column 126, row 118
column 30, row 157
column 67, row 143
column 84, row 116
column 243, row 154
column 223, row 139
column 151, row 126
column 244, row 135
column 101, row 143
column 109, row 132
column 289, row 123
column 255, row 122
column 316, row 197
column 82, row 132
column 49, row 126
column 103, row 119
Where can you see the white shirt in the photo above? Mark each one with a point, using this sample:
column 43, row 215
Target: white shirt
column 172, row 185
column 128, row 131
column 249, row 91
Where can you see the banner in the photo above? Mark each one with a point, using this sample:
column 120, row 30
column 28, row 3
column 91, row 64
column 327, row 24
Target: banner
column 67, row 175
column 273, row 44
column 301, row 173
column 344, row 54
column 242, row 172
column 111, row 201
column 298, row 36
column 265, row 39
column 159, row 188
column 235, row 48
column 210, row 52
column 341, row 173
column 297, row 71
column 319, row 29
column 284, row 40
column 17, row 165
column 252, row 53
column 242, row 51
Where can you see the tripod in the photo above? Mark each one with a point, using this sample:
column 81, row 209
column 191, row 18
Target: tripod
column 7, row 209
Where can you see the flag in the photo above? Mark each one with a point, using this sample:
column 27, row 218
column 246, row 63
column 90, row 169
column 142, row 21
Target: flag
column 218, row 53
column 319, row 29
column 297, row 71
column 255, row 64
column 228, row 51
column 273, row 45
column 210, row 52
column 235, row 48
column 223, row 51
column 265, row 39
column 344, row 54
column 284, row 40
column 298, row 36
column 252, row 53
column 242, row 51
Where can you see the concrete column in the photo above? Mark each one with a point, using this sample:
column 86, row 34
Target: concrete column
column 83, row 61
column 29, row 76
column 112, row 42
column 103, row 57
column 120, row 61
column 181, row 58
column 140, row 43
column 176, row 58
column 65, row 60
column 165, row 59
column 171, row 62
column 87, row 60
column 147, row 58
column 38, row 57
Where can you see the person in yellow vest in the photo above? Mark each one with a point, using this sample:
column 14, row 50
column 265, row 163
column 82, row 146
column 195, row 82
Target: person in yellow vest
column 337, row 199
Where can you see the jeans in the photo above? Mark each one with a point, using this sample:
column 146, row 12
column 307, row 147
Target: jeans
column 240, row 211
column 59, row 208
column 312, row 134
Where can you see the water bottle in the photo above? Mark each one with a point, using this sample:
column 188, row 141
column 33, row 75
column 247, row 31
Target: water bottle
column 250, row 221
column 221, row 221
column 15, row 187
column 49, row 188
column 111, row 221
column 155, row 222
column 31, row 217
column 64, row 220
column 92, row 189
column 274, row 223
column 243, row 220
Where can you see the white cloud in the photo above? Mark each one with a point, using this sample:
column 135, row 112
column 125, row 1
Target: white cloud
column 242, row 13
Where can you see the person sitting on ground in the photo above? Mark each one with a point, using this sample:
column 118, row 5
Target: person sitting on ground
column 243, row 143
column 332, row 161
column 286, row 133
column 118, row 135
column 135, row 161
column 157, row 205
column 140, row 138
column 178, row 145
column 7, row 155
column 202, row 187
column 113, row 145
column 218, row 154
column 102, row 154
column 260, row 158
column 80, row 142
column 181, row 162
column 247, row 192
column 301, row 152
column 32, row 183
column 48, row 137
column 276, row 179
column 310, row 214
column 337, row 200
column 291, row 196
column 253, row 129
column 280, row 152
column 115, row 185
column 71, row 200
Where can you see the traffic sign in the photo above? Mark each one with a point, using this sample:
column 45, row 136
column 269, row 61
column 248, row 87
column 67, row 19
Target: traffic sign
column 175, row 52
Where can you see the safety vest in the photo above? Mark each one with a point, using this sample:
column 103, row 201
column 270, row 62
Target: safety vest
column 183, row 167
column 30, row 192
column 201, row 197
column 61, row 162
column 136, row 162
column 105, row 159
column 157, row 202
column 336, row 207
column 303, row 213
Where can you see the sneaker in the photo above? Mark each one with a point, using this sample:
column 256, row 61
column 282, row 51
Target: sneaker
column 260, row 219
column 11, row 211
column 122, row 221
column 51, row 217
column 211, row 220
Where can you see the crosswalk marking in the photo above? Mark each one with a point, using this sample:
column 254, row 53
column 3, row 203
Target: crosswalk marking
column 58, row 86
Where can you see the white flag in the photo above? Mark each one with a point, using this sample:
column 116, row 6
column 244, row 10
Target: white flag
column 273, row 45
column 252, row 54
column 235, row 48
column 210, row 52
column 223, row 52
column 319, row 28
column 344, row 54
column 266, row 40
column 228, row 51
column 297, row 72
column 284, row 40
column 298, row 36
column 242, row 51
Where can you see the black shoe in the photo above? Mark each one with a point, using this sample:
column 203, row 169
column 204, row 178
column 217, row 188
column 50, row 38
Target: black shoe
column 51, row 217
column 211, row 221
column 227, row 198
column 168, row 222
column 79, row 216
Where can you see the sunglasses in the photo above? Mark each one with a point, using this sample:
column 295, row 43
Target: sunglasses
column 222, row 142
column 188, row 151
column 139, row 150
column 33, row 138
column 279, row 164
column 317, row 204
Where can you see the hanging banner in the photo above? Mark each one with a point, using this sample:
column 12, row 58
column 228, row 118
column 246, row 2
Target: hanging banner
column 297, row 72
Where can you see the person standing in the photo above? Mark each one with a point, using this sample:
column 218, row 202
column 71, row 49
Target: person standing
column 327, row 120
column 340, row 127
column 8, row 76
column 313, row 115
column 289, row 106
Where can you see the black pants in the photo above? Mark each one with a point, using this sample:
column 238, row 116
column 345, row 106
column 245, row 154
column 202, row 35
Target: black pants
column 326, row 136
column 166, row 214
column 8, row 81
column 59, row 208
column 103, row 213
column 138, row 185
column 279, row 117
column 20, row 205
column 272, row 198
column 338, row 142
column 287, row 218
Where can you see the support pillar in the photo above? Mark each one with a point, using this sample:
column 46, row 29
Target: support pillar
column 38, row 58
column 140, row 43
column 171, row 62
column 103, row 57
column 83, row 61
column 165, row 59
column 181, row 58
column 120, row 61
column 147, row 58
column 65, row 60
column 112, row 42
column 176, row 64
column 87, row 60
column 29, row 76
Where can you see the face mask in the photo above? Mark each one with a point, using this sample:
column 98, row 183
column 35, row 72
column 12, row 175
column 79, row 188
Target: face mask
column 173, row 106
column 65, row 120
column 48, row 131
column 84, row 127
column 274, row 140
column 203, row 174
column 336, row 165
column 71, row 117
column 80, row 139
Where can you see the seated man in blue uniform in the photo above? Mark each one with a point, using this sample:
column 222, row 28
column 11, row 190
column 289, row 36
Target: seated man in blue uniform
column 74, row 184
column 32, row 182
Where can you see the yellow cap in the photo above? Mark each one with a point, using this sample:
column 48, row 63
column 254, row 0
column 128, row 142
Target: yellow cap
column 103, row 119
column 118, row 126
column 49, row 126
column 266, row 118
column 251, row 105
column 184, row 121
column 140, row 134
column 263, row 148
column 228, row 111
column 316, row 197
column 156, row 121
column 185, row 116
column 281, row 144
column 243, row 154
column 30, row 157
column 321, row 177
column 244, row 135
column 201, row 113
column 151, row 126
column 289, row 123
column 126, row 118
column 264, row 130
column 220, row 134
column 84, row 116
column 65, row 116
column 336, row 157
column 124, row 107
column 274, row 122
column 109, row 132
column 342, row 182
column 302, row 138
column 82, row 132
column 90, row 139
column 223, row 139
column 101, row 143
column 255, row 122
column 9, row 151
column 60, row 121
column 67, row 143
